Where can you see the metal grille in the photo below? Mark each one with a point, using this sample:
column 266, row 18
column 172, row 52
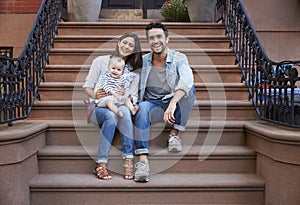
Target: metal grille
column 272, row 85
column 20, row 77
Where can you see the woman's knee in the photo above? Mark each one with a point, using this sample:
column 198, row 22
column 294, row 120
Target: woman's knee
column 125, row 111
column 143, row 108
column 104, row 114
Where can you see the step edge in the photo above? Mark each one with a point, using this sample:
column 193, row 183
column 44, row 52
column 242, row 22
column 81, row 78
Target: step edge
column 229, row 181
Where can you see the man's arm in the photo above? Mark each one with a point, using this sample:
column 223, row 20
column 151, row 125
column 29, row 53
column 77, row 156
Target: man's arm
column 169, row 113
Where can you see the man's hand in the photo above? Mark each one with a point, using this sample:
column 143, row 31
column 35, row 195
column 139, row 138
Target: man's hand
column 169, row 113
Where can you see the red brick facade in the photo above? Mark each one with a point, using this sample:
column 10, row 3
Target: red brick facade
column 19, row 6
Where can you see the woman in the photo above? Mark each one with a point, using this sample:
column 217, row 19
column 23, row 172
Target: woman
column 129, row 49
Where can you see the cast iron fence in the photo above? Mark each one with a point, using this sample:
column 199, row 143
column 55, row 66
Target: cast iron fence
column 20, row 77
column 272, row 85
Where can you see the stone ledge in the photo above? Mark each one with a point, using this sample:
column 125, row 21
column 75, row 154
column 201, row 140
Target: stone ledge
column 275, row 132
column 275, row 142
column 20, row 130
column 21, row 141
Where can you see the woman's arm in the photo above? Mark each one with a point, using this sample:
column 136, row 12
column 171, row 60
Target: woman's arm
column 97, row 69
column 100, row 93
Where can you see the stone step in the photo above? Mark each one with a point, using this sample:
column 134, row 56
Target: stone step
column 202, row 73
column 223, row 110
column 205, row 91
column 119, row 28
column 223, row 133
column 192, row 159
column 221, row 91
column 110, row 41
column 84, row 56
column 202, row 110
column 217, row 73
column 167, row 188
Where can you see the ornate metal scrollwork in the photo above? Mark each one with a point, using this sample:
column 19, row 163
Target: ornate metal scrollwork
column 272, row 85
column 20, row 77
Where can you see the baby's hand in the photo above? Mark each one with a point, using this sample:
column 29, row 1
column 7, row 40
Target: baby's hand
column 121, row 98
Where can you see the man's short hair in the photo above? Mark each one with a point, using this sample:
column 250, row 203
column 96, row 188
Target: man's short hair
column 156, row 25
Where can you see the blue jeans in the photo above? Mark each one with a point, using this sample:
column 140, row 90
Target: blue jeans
column 152, row 111
column 108, row 121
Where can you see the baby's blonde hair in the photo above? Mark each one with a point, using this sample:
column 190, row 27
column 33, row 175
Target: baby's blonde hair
column 116, row 61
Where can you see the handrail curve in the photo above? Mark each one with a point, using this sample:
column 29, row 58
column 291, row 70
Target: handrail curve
column 20, row 77
column 272, row 85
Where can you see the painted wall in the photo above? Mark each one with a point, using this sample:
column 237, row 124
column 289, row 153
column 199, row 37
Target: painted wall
column 16, row 19
column 14, row 30
column 19, row 7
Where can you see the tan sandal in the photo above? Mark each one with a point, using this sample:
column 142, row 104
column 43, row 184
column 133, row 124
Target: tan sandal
column 128, row 168
column 102, row 172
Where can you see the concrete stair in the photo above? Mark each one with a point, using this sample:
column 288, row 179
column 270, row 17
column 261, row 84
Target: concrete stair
column 106, row 41
column 216, row 165
column 214, row 91
column 82, row 56
column 162, row 189
column 118, row 28
column 72, row 73
column 204, row 109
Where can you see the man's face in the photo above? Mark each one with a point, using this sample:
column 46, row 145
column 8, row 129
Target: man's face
column 157, row 40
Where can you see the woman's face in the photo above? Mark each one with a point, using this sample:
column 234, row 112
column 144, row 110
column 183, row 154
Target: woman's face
column 126, row 46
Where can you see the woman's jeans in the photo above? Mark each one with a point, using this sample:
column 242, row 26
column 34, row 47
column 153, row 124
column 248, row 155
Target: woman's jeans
column 152, row 111
column 108, row 121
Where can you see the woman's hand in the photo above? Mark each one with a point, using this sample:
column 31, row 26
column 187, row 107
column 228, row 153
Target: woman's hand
column 100, row 94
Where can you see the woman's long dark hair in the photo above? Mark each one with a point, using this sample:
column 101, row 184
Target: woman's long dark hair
column 134, row 59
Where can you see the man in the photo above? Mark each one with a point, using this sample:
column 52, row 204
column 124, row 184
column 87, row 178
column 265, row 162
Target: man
column 167, row 85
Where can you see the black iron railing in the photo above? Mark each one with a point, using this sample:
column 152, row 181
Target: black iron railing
column 20, row 77
column 272, row 85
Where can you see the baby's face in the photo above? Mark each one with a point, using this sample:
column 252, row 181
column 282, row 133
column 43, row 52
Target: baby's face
column 116, row 71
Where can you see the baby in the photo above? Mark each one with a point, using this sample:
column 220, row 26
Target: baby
column 113, row 83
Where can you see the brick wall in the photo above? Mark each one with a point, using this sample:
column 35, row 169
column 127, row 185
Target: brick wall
column 19, row 6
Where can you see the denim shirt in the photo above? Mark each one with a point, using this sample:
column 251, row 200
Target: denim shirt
column 178, row 73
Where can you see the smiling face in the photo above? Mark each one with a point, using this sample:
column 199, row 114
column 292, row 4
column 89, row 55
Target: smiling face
column 157, row 40
column 116, row 67
column 116, row 71
column 126, row 46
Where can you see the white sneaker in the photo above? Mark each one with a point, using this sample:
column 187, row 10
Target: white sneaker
column 174, row 144
column 142, row 171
